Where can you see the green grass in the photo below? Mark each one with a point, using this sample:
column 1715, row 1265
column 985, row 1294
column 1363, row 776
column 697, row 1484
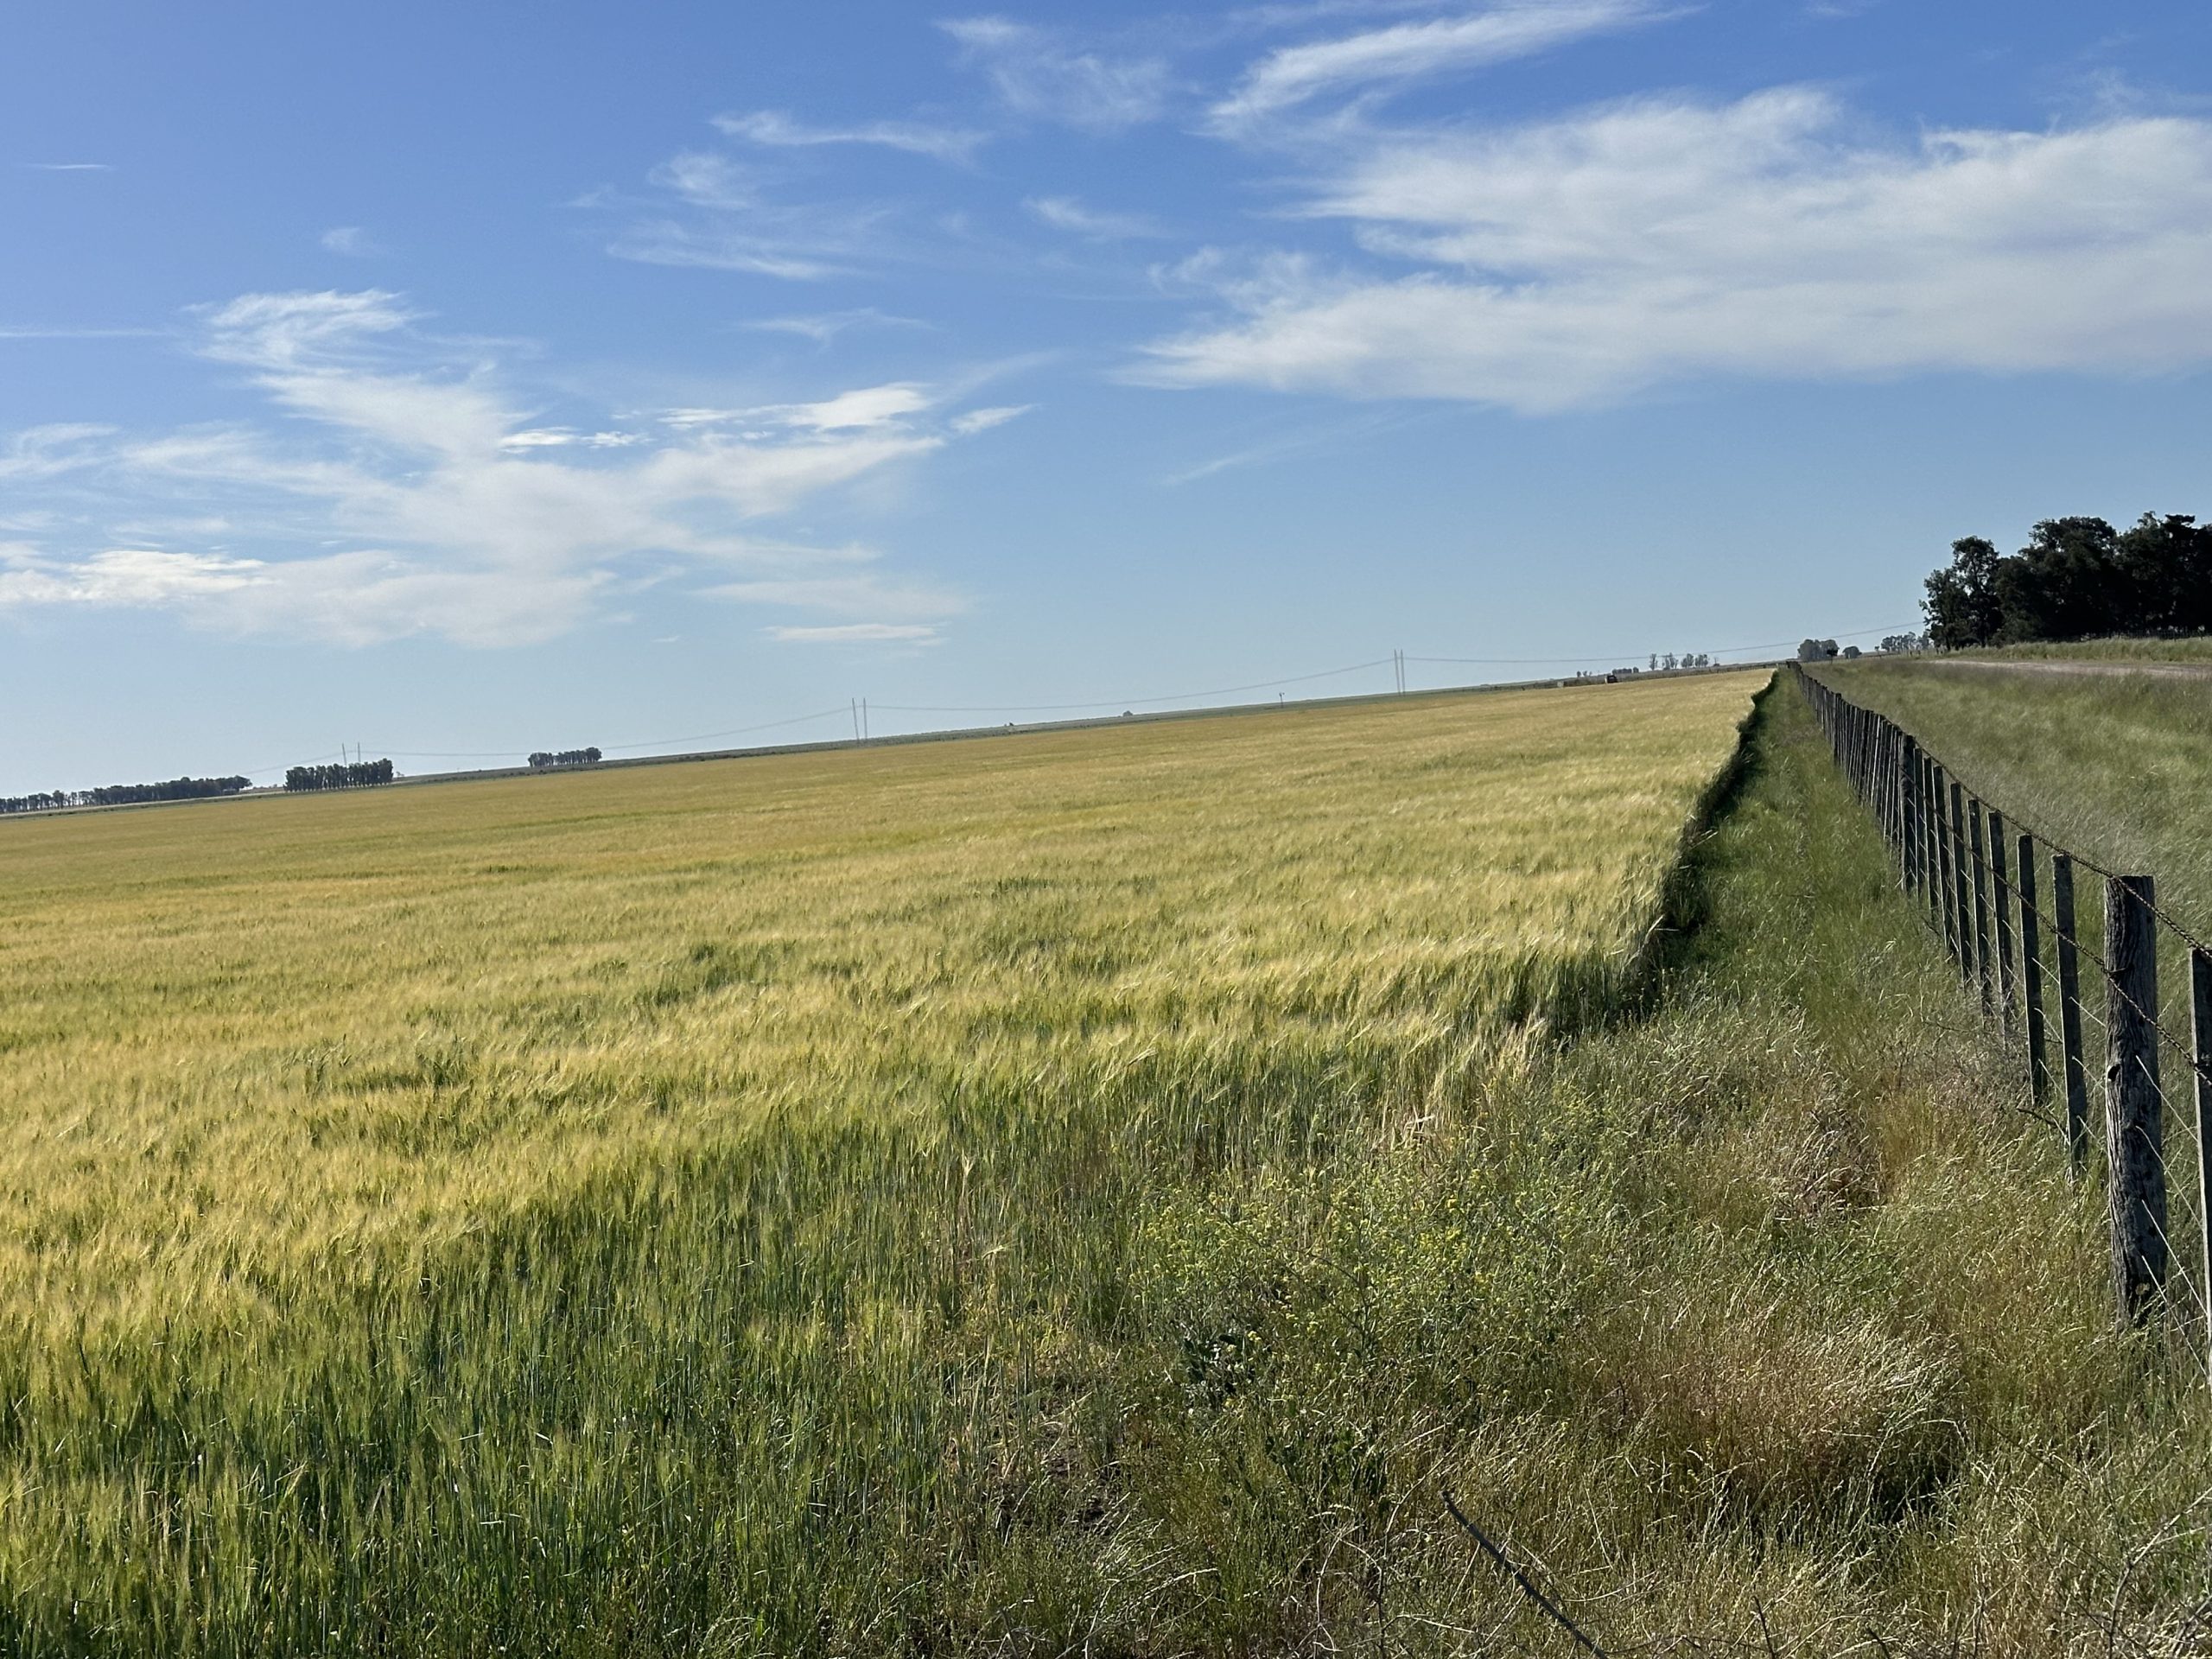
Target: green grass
column 2117, row 768
column 1116, row 1209
column 2197, row 649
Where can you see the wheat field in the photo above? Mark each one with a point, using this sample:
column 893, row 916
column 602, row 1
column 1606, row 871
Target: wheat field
column 559, row 1213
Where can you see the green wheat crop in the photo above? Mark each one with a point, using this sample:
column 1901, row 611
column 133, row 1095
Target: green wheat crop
column 669, row 1210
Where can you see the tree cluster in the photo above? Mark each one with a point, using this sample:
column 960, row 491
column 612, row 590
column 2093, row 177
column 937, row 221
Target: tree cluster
column 177, row 789
column 2076, row 579
column 339, row 777
column 1661, row 661
column 548, row 758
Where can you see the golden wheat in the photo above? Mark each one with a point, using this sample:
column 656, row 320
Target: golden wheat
column 243, row 1039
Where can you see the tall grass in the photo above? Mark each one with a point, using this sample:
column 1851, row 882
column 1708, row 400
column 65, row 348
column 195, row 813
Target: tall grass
column 1089, row 1196
column 2117, row 768
column 555, row 1212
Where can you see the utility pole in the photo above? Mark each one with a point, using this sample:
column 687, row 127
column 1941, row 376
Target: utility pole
column 863, row 719
column 856, row 719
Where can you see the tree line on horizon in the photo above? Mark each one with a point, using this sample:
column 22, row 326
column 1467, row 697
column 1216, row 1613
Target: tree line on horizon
column 2076, row 579
column 546, row 759
column 177, row 789
column 353, row 775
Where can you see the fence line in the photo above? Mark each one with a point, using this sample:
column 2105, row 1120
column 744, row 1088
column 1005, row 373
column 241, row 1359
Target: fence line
column 1972, row 872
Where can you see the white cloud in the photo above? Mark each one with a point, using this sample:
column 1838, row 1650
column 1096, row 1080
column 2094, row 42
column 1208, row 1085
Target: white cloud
column 664, row 243
column 864, row 408
column 124, row 576
column 983, row 420
column 68, row 167
column 1579, row 261
column 349, row 239
column 856, row 634
column 431, row 506
column 561, row 437
column 1042, row 74
column 47, row 451
column 1066, row 214
column 731, row 221
column 1404, row 52
column 274, row 330
column 824, row 327
column 870, row 406
column 772, row 128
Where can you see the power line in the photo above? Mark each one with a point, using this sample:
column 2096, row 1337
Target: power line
column 857, row 709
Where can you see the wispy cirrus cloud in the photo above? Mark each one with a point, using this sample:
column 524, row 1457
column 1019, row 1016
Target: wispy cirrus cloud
column 772, row 128
column 1093, row 223
column 824, row 327
column 730, row 216
column 351, row 240
column 1404, row 52
column 1582, row 260
column 1050, row 75
column 431, row 504
column 50, row 450
column 66, row 167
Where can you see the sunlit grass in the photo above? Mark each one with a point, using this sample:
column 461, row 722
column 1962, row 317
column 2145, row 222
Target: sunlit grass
column 455, row 1214
column 1086, row 1194
column 2117, row 768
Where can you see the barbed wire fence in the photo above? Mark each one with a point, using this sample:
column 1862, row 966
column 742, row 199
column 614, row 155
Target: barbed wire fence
column 2144, row 1020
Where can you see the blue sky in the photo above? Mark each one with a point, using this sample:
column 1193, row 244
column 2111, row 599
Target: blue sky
column 460, row 381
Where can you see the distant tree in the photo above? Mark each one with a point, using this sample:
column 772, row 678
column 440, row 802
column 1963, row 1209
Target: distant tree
column 2165, row 567
column 1815, row 651
column 546, row 759
column 1851, row 651
column 2064, row 584
column 2076, row 579
column 1897, row 645
column 358, row 774
column 176, row 788
column 1962, row 605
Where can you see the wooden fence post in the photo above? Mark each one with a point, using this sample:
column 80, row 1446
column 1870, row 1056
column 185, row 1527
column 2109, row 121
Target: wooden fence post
column 1893, row 791
column 2069, row 1012
column 1981, row 907
column 2200, row 1001
column 2000, row 880
column 1908, row 780
column 1932, row 816
column 2031, row 977
column 2135, row 1105
column 1960, row 901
